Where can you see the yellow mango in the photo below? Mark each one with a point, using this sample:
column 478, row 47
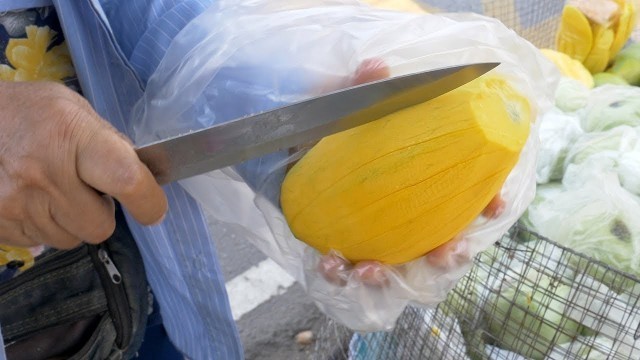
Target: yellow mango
column 602, row 12
column 574, row 36
column 397, row 5
column 624, row 27
column 396, row 188
column 598, row 57
column 569, row 67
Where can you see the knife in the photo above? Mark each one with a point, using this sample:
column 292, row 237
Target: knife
column 252, row 136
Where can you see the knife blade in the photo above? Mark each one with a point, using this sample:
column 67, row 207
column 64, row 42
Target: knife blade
column 252, row 136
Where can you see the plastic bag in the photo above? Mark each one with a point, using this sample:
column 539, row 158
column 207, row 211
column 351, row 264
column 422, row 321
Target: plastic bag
column 242, row 57
column 558, row 131
column 571, row 95
column 594, row 215
column 616, row 150
column 610, row 106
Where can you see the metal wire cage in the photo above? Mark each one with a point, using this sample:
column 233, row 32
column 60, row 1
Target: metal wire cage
column 525, row 298
column 534, row 20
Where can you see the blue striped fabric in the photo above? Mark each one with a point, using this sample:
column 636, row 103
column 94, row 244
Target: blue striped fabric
column 9, row 5
column 2, row 354
column 114, row 45
column 156, row 23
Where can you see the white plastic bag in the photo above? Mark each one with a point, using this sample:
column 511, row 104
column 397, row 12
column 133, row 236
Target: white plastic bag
column 594, row 215
column 611, row 106
column 242, row 57
column 558, row 131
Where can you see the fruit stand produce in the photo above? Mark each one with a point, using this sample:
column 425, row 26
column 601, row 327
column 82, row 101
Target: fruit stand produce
column 564, row 283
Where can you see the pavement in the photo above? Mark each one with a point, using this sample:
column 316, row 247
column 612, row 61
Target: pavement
column 270, row 308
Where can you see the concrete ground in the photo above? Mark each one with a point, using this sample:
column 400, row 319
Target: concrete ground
column 270, row 309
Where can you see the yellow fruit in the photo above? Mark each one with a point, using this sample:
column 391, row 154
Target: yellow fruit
column 602, row 12
column 396, row 188
column 33, row 58
column 598, row 57
column 624, row 27
column 569, row 67
column 574, row 36
column 15, row 253
column 397, row 5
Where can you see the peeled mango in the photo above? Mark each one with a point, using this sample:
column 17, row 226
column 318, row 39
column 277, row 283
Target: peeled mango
column 574, row 36
column 397, row 5
column 594, row 31
column 398, row 187
column 599, row 56
column 569, row 67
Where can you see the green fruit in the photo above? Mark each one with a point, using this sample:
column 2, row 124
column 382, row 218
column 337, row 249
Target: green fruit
column 603, row 78
column 529, row 318
column 631, row 51
column 627, row 68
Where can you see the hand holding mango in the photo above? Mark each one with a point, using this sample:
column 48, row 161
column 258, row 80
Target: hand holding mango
column 407, row 185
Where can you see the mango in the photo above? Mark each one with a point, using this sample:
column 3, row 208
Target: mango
column 569, row 67
column 574, row 36
column 627, row 68
column 398, row 187
column 598, row 57
column 608, row 78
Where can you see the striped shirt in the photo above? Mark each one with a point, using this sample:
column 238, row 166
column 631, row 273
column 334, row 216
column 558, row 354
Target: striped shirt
column 115, row 46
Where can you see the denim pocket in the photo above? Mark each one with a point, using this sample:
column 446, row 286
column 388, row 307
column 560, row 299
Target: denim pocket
column 92, row 300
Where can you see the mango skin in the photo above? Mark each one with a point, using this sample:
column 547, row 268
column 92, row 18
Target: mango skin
column 396, row 188
column 608, row 78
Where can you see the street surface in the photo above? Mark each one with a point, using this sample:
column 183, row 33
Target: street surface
column 269, row 307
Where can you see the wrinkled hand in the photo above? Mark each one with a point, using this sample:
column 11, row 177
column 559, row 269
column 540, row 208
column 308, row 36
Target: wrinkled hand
column 337, row 270
column 57, row 159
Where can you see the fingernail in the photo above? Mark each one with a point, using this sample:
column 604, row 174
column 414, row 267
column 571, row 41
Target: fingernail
column 371, row 273
column 333, row 269
column 495, row 208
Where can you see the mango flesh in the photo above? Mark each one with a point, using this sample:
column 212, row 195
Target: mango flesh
column 598, row 58
column 396, row 188
column 624, row 27
column 569, row 67
column 574, row 37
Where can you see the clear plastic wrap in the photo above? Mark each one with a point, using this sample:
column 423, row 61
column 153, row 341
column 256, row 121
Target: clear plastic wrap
column 593, row 215
column 610, row 106
column 243, row 57
column 558, row 132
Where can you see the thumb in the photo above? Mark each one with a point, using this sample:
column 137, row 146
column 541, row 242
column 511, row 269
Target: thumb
column 107, row 162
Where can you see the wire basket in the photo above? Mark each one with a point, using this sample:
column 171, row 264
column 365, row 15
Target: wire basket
column 534, row 20
column 525, row 298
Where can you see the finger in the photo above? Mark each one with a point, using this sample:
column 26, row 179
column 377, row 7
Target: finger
column 43, row 229
column 371, row 70
column 334, row 269
column 40, row 225
column 12, row 234
column 86, row 214
column 108, row 163
column 371, row 273
column 449, row 254
column 52, row 234
column 495, row 208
